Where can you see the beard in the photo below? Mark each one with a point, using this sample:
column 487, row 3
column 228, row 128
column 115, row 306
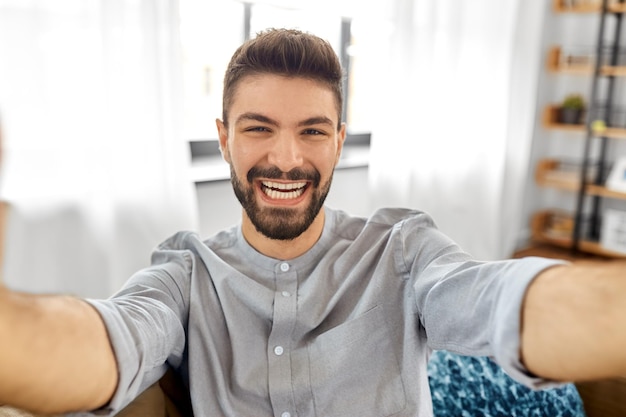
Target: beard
column 280, row 223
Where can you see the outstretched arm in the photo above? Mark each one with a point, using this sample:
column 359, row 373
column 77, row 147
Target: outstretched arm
column 55, row 355
column 574, row 322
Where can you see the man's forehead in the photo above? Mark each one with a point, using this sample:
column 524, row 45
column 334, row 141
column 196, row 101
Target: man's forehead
column 279, row 83
column 253, row 89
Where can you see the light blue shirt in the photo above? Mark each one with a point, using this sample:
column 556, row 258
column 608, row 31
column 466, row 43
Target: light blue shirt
column 343, row 330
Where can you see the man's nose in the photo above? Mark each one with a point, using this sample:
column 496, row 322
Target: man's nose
column 286, row 152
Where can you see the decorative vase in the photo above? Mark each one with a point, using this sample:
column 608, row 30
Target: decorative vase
column 570, row 116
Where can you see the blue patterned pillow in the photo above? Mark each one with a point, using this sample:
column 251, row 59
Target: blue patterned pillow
column 464, row 386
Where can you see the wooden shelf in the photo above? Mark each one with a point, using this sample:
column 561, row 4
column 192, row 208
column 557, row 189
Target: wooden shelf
column 560, row 6
column 550, row 121
column 601, row 191
column 612, row 132
column 587, row 6
column 617, row 8
column 557, row 63
column 543, row 231
column 550, row 173
column 618, row 71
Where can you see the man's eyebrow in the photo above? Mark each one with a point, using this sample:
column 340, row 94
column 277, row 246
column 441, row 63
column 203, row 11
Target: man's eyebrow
column 316, row 121
column 264, row 119
column 257, row 117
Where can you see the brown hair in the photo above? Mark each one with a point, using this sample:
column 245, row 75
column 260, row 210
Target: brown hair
column 286, row 52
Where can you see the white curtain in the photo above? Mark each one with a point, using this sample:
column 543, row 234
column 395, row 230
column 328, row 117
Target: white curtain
column 457, row 111
column 95, row 170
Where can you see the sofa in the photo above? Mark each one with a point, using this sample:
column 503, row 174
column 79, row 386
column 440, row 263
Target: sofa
column 464, row 386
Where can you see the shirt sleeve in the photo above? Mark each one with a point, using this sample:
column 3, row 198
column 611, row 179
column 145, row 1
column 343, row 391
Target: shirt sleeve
column 467, row 306
column 146, row 324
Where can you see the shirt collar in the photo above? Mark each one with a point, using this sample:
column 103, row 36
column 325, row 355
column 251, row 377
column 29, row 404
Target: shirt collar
column 312, row 255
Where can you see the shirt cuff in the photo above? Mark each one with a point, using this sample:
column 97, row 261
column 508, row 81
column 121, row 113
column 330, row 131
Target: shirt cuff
column 507, row 337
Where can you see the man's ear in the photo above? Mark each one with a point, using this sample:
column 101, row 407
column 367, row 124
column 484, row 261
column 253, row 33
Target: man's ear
column 341, row 137
column 222, row 132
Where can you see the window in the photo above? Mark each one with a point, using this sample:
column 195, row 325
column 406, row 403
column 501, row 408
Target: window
column 211, row 31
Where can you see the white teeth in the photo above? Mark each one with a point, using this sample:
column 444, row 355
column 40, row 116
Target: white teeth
column 281, row 195
column 284, row 186
column 283, row 191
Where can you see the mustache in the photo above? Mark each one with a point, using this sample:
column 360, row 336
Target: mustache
column 274, row 173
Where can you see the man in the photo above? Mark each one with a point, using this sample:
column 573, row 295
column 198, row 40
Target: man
column 302, row 310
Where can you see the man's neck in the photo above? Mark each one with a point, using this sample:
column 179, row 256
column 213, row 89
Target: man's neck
column 283, row 249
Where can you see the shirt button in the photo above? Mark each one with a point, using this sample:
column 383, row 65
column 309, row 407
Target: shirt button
column 284, row 267
column 278, row 350
column 286, row 294
column 286, row 414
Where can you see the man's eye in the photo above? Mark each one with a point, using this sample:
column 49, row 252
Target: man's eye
column 257, row 129
column 313, row 132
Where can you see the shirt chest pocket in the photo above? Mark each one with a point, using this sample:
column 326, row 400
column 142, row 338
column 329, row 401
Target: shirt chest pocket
column 354, row 370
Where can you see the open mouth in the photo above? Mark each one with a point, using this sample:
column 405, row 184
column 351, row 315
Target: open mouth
column 283, row 191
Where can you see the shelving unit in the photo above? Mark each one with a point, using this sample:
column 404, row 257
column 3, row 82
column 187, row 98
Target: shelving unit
column 580, row 229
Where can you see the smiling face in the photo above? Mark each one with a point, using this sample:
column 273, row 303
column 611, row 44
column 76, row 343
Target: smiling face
column 282, row 142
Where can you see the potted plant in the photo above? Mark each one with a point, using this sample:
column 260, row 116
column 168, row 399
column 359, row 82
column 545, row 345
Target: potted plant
column 571, row 110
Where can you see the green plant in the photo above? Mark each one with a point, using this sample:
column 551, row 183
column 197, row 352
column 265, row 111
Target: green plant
column 573, row 101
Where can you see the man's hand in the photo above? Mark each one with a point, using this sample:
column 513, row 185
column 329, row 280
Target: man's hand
column 574, row 322
column 55, row 355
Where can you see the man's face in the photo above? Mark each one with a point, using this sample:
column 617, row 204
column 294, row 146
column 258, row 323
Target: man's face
column 282, row 145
